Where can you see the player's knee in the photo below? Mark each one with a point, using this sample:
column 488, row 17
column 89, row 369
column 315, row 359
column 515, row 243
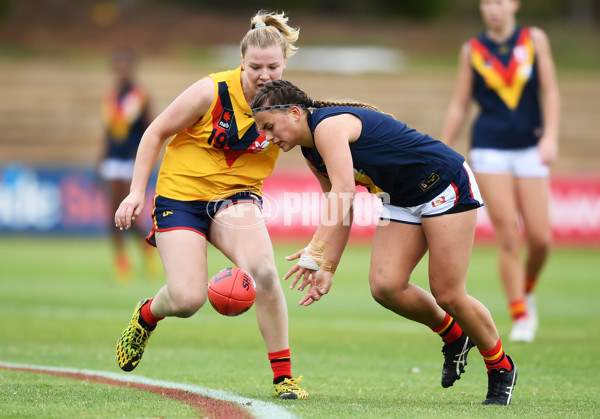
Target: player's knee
column 509, row 241
column 188, row 304
column 383, row 291
column 378, row 294
column 540, row 245
column 508, row 231
column 265, row 276
column 378, row 290
column 448, row 301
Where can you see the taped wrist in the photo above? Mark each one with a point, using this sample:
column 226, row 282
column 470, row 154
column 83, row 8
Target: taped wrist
column 314, row 255
column 329, row 266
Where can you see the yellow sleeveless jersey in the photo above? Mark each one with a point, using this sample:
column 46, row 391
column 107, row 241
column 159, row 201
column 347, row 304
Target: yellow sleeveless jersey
column 221, row 154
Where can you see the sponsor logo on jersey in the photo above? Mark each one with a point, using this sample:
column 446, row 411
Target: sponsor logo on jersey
column 225, row 120
column 260, row 145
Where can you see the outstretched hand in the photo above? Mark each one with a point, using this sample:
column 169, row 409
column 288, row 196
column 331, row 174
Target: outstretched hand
column 319, row 286
column 301, row 273
column 319, row 282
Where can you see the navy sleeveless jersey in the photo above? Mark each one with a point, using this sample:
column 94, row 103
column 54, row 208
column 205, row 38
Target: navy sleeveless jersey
column 401, row 165
column 506, row 88
column 125, row 119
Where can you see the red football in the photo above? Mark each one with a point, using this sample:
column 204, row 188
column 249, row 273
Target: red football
column 231, row 291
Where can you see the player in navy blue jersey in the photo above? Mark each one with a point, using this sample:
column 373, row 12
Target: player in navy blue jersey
column 509, row 72
column 126, row 114
column 429, row 197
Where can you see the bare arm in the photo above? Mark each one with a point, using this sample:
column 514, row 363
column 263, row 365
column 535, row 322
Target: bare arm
column 183, row 112
column 338, row 242
column 550, row 97
column 323, row 278
column 460, row 103
column 332, row 137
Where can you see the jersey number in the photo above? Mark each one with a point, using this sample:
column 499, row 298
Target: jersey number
column 219, row 137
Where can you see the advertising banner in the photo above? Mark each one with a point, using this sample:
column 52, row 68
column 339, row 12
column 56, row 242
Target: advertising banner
column 72, row 201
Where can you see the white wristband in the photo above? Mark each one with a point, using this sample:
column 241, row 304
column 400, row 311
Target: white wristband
column 307, row 262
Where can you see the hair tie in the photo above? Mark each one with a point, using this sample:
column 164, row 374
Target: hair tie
column 312, row 103
column 260, row 25
column 276, row 107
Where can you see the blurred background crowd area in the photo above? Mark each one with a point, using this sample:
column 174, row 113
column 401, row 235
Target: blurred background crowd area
column 398, row 55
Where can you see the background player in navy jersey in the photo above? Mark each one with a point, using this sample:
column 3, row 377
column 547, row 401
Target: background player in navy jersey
column 509, row 71
column 429, row 199
column 126, row 115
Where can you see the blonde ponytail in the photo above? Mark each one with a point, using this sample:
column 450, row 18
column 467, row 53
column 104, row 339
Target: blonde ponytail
column 268, row 29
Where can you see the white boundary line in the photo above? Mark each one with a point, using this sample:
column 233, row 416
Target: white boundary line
column 258, row 408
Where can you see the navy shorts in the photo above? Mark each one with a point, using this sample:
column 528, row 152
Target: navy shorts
column 172, row 214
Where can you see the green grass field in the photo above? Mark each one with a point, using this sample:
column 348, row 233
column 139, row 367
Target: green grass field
column 59, row 307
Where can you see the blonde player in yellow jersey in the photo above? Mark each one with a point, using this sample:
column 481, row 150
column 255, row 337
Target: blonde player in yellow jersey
column 208, row 189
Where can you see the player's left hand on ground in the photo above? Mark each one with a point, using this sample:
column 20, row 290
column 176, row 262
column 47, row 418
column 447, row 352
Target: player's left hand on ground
column 318, row 288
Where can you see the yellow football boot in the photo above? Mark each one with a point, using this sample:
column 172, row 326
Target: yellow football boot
column 133, row 340
column 288, row 389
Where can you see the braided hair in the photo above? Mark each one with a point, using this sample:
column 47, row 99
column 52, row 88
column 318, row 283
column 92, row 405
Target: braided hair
column 281, row 94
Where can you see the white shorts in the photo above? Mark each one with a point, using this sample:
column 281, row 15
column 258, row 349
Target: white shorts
column 524, row 163
column 117, row 169
column 461, row 195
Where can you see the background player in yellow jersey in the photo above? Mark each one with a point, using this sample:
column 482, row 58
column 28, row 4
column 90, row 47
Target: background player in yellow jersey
column 509, row 71
column 208, row 189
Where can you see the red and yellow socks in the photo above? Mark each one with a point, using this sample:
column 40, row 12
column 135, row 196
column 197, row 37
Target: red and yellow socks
column 146, row 315
column 518, row 309
column 448, row 329
column 495, row 358
column 281, row 364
